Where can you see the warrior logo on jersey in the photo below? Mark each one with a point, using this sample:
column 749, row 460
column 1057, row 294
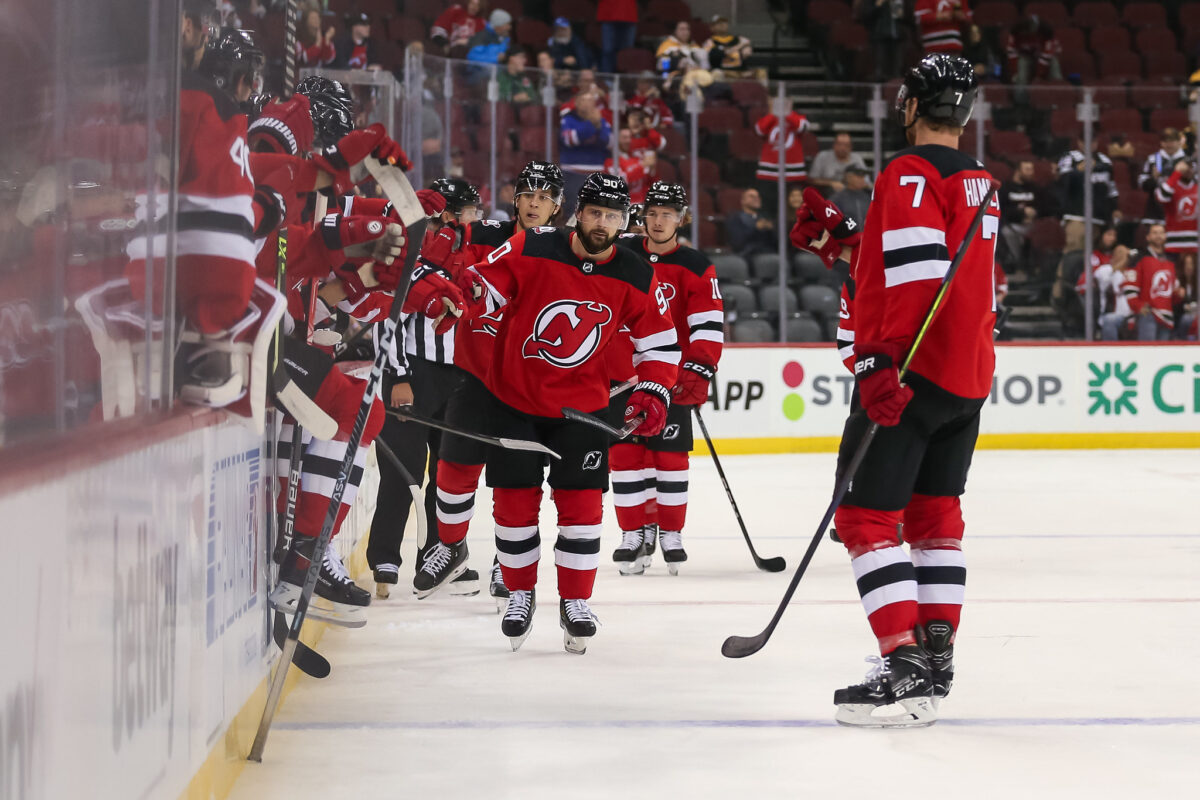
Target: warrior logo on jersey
column 567, row 332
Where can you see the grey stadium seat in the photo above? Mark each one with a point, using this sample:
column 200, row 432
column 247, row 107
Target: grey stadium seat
column 730, row 268
column 808, row 267
column 753, row 330
column 769, row 296
column 739, row 299
column 820, row 300
column 765, row 267
column 802, row 328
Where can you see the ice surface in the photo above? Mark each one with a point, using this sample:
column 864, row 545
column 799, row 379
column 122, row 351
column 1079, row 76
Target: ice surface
column 1076, row 659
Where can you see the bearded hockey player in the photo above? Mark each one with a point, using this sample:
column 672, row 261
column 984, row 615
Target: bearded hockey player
column 564, row 296
column 915, row 470
column 688, row 281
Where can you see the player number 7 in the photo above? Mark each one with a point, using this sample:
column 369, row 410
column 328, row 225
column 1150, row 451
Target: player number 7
column 919, row 181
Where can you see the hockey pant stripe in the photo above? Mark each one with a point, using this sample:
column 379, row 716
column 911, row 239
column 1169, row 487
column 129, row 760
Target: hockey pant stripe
column 630, row 494
column 577, row 551
column 933, row 526
column 518, row 543
column 887, row 584
column 672, row 490
column 456, row 485
column 321, row 460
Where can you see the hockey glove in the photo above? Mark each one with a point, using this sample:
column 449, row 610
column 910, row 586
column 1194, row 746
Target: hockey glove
column 692, row 387
column 649, row 401
column 440, row 244
column 431, row 202
column 344, row 159
column 821, row 228
column 436, row 298
column 362, row 238
column 880, row 391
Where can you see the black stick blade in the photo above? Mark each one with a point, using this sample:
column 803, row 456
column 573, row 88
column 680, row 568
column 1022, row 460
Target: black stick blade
column 742, row 646
column 776, row 564
column 307, row 660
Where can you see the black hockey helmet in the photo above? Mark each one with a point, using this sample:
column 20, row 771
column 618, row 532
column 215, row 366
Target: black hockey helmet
column 541, row 175
column 667, row 195
column 231, row 56
column 944, row 87
column 332, row 109
column 602, row 189
column 459, row 193
column 637, row 218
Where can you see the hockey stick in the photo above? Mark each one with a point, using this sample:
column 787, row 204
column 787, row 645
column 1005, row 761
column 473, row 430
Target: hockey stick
column 622, row 387
column 575, row 415
column 289, row 54
column 413, row 487
column 415, row 233
column 495, row 441
column 776, row 564
column 742, row 646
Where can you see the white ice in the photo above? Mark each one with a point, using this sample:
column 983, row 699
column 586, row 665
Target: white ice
column 1077, row 659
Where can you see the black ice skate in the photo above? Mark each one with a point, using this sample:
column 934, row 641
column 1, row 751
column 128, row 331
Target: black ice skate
column 629, row 555
column 336, row 599
column 465, row 585
column 518, row 617
column 386, row 576
column 442, row 563
column 649, row 542
column 672, row 550
column 897, row 693
column 939, row 644
column 578, row 624
column 497, row 589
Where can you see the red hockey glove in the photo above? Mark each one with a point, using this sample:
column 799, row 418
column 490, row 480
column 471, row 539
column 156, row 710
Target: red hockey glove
column 649, row 401
column 343, row 159
column 432, row 202
column 354, row 281
column 362, row 238
column 821, row 228
column 473, row 291
column 880, row 391
column 436, row 298
column 440, row 244
column 692, row 387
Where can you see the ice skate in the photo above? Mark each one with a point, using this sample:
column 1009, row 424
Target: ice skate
column 672, row 550
column 336, row 598
column 578, row 624
column 442, row 563
column 939, row 644
column 386, row 576
column 465, row 585
column 518, row 617
column 897, row 693
column 497, row 589
column 629, row 555
column 649, row 543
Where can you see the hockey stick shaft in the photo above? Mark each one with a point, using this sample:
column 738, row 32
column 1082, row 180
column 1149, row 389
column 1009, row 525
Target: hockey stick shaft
column 776, row 564
column 413, row 486
column 622, row 387
column 742, row 646
column 289, row 53
column 495, row 441
column 575, row 415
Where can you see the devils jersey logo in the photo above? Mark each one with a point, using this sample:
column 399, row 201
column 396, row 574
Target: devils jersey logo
column 567, row 332
column 668, row 291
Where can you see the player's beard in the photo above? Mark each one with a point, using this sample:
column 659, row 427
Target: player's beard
column 596, row 241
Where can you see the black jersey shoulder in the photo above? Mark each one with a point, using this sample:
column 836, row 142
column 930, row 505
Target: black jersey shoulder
column 225, row 105
column 946, row 160
column 690, row 259
column 555, row 245
column 631, row 241
column 492, row 233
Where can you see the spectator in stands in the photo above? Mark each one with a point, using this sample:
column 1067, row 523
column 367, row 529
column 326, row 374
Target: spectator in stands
column 1152, row 289
column 999, row 284
column 1070, row 184
column 1108, row 262
column 456, row 26
column 1032, row 51
column 678, row 52
column 1158, row 167
column 727, row 52
column 561, row 79
column 785, row 138
column 979, row 52
column 516, row 83
column 830, row 165
column 1018, row 209
column 313, row 48
column 567, row 49
column 356, row 50
column 649, row 99
column 490, row 45
column 504, row 203
column 854, row 198
column 886, row 22
column 638, row 168
column 748, row 230
column 618, row 30
column 585, row 141
column 940, row 24
column 643, row 137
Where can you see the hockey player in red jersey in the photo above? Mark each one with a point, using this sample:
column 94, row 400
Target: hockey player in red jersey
column 916, row 468
column 688, row 281
column 564, row 294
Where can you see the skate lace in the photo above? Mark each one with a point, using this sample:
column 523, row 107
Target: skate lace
column 335, row 567
column 436, row 559
column 631, row 540
column 497, row 574
column 518, row 605
column 578, row 611
column 671, row 540
column 879, row 669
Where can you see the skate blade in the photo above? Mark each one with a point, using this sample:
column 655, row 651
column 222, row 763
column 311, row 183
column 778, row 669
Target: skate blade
column 501, row 603
column 517, row 641
column 914, row 712
column 421, row 595
column 630, row 567
column 672, row 567
column 463, row 588
column 285, row 597
column 382, row 591
column 575, row 645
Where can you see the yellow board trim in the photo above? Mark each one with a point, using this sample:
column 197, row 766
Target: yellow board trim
column 215, row 778
column 987, row 441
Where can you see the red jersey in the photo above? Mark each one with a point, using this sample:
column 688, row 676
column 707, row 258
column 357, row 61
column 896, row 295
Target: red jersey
column 1102, row 277
column 941, row 35
column 560, row 315
column 650, row 141
column 319, row 54
column 635, row 174
column 786, row 138
column 925, row 200
column 1178, row 200
column 456, row 26
column 214, row 243
column 475, row 340
column 1152, row 282
column 1000, row 282
column 658, row 113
